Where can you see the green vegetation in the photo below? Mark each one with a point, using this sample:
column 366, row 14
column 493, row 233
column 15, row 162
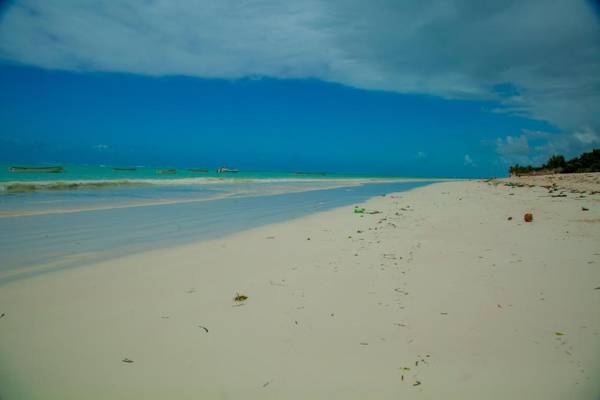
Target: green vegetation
column 587, row 162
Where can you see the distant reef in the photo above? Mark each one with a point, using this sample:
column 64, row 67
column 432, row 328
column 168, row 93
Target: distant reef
column 21, row 187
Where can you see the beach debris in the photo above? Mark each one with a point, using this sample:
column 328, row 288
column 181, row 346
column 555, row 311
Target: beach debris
column 266, row 384
column 270, row 237
column 240, row 297
column 359, row 210
column 585, row 209
column 509, row 218
column 127, row 360
column 596, row 288
column 308, row 238
column 203, row 327
column 364, row 343
column 559, row 334
column 2, row 315
column 374, row 212
column 528, row 217
column 417, row 383
column 444, row 313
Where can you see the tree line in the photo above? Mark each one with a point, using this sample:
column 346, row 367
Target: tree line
column 586, row 162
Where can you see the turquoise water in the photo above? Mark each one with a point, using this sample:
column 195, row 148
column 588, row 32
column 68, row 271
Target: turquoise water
column 128, row 196
column 47, row 224
column 95, row 173
column 89, row 188
column 55, row 239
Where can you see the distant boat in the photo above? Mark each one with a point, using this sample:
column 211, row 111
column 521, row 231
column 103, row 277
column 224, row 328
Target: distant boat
column 225, row 169
column 197, row 170
column 167, row 171
column 52, row 170
column 124, row 169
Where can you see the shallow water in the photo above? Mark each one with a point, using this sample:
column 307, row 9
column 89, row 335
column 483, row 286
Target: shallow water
column 47, row 202
column 56, row 239
column 108, row 173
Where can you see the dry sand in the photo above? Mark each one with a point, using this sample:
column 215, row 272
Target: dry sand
column 438, row 296
column 570, row 183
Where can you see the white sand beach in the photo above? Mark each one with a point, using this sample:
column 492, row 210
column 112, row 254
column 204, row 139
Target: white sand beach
column 437, row 295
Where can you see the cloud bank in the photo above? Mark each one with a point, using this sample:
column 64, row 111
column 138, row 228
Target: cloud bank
column 534, row 147
column 535, row 57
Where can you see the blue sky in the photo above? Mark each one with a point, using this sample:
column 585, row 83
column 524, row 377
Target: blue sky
column 447, row 89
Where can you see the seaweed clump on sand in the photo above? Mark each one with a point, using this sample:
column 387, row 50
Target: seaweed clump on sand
column 240, row 298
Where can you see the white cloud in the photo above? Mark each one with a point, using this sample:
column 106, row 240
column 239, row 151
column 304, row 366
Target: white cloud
column 513, row 149
column 535, row 147
column 568, row 144
column 421, row 155
column 101, row 147
column 468, row 160
column 450, row 48
column 587, row 136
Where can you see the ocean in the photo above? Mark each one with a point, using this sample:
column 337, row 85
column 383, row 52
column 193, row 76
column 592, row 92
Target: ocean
column 74, row 173
column 87, row 214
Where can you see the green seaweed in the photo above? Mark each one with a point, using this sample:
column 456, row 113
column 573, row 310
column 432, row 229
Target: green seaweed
column 20, row 187
column 240, row 297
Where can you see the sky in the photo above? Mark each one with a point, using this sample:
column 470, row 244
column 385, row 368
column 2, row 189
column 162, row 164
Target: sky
column 414, row 87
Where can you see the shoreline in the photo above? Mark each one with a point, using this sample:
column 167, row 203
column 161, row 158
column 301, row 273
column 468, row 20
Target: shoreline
column 52, row 239
column 54, row 185
column 438, row 295
column 159, row 202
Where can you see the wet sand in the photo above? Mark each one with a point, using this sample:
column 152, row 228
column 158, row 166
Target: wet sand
column 440, row 292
